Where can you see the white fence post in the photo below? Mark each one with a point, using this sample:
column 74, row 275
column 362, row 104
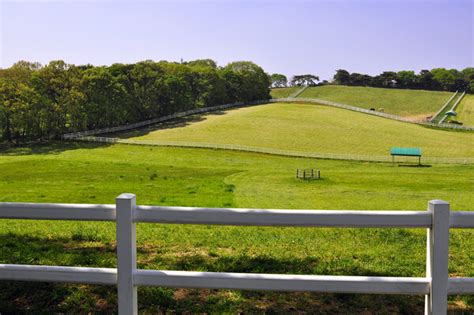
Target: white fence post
column 437, row 258
column 126, row 254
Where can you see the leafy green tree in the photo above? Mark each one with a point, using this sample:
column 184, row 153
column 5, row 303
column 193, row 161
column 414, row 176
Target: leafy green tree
column 203, row 63
column 248, row 81
column 278, row 80
column 18, row 111
column 444, row 78
column 304, row 80
column 47, row 101
column 360, row 79
column 106, row 99
column 57, row 84
column 342, row 77
column 406, row 79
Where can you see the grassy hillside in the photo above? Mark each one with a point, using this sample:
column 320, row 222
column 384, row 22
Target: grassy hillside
column 312, row 128
column 283, row 92
column 409, row 103
column 466, row 111
column 85, row 173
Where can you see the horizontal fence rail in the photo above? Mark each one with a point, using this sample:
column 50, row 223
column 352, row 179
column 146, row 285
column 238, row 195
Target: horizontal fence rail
column 436, row 286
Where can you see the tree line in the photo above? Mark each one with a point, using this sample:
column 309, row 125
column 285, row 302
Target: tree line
column 438, row 79
column 44, row 102
column 279, row 80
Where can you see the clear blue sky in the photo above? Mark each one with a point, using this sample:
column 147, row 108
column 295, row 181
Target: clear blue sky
column 288, row 37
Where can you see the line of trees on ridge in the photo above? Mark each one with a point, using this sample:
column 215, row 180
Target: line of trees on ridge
column 438, row 79
column 44, row 102
column 279, row 80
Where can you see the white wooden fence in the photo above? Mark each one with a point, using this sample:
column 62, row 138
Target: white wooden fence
column 160, row 119
column 436, row 285
column 290, row 99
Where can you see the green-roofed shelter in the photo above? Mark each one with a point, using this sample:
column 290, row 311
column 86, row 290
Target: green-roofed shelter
column 405, row 152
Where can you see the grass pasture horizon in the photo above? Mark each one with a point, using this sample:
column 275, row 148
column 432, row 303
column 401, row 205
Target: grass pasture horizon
column 94, row 173
column 309, row 128
column 417, row 104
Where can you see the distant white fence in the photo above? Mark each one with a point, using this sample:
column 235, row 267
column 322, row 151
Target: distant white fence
column 241, row 104
column 436, row 285
column 372, row 112
column 160, row 119
column 272, row 151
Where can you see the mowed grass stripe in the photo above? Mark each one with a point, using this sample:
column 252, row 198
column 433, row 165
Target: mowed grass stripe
column 311, row 128
column 408, row 103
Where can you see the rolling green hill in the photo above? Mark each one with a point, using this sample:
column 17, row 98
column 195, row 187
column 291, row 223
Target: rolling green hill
column 409, row 103
column 283, row 92
column 466, row 111
column 312, row 128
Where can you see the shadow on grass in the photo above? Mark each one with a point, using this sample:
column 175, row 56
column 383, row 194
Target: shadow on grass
column 171, row 124
column 83, row 249
column 52, row 147
column 414, row 165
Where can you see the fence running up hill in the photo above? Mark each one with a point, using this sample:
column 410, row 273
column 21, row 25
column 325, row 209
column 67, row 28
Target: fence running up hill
column 436, row 285
column 241, row 104
column 158, row 120
column 453, row 108
column 443, row 108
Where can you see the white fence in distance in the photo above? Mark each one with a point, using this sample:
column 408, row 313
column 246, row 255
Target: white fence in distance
column 241, row 104
column 272, row 151
column 436, row 285
column 158, row 120
column 375, row 113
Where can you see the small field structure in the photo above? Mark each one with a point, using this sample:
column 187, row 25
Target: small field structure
column 308, row 174
column 416, row 152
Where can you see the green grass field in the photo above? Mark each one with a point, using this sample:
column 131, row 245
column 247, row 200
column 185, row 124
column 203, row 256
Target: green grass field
column 466, row 111
column 283, row 92
column 312, row 128
column 86, row 173
column 409, row 103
